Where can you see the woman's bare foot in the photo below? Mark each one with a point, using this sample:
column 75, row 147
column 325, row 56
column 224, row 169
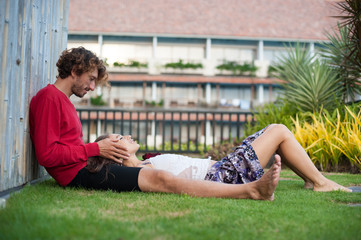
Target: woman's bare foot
column 329, row 186
column 266, row 185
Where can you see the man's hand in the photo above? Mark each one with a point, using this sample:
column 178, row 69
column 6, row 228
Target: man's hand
column 112, row 150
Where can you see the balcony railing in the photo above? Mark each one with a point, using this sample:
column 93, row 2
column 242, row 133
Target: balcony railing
column 166, row 130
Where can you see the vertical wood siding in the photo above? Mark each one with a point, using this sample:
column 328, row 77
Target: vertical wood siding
column 33, row 35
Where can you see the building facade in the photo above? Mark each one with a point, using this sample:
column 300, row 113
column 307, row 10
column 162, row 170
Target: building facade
column 195, row 54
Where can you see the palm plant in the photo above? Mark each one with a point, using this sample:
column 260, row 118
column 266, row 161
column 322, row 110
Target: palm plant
column 338, row 54
column 309, row 83
column 351, row 16
column 344, row 50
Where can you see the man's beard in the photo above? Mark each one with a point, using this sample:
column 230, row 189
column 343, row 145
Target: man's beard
column 78, row 92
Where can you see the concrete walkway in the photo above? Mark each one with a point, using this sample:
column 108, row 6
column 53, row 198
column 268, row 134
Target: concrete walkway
column 355, row 188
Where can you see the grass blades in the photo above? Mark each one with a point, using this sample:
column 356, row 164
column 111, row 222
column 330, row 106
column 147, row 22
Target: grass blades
column 47, row 211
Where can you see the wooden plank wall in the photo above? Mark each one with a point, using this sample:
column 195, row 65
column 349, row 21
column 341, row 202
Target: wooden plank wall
column 33, row 35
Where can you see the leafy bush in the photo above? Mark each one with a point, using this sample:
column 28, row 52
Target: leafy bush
column 238, row 69
column 136, row 64
column 349, row 143
column 181, row 65
column 154, row 103
column 331, row 138
column 97, row 101
column 309, row 83
column 278, row 112
column 118, row 64
column 132, row 64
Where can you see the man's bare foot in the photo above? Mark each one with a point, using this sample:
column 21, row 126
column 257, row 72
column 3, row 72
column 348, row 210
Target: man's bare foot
column 308, row 185
column 329, row 186
column 266, row 185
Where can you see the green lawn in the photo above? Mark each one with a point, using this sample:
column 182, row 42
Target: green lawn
column 47, row 211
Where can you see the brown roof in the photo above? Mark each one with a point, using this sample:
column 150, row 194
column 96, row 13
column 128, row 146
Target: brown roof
column 267, row 19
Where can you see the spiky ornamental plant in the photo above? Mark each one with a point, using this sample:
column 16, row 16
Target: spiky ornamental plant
column 351, row 18
column 338, row 54
column 309, row 83
column 345, row 49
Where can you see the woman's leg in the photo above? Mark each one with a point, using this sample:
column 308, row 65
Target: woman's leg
column 277, row 138
column 308, row 183
column 151, row 180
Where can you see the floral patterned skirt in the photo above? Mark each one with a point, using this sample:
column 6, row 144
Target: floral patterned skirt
column 239, row 167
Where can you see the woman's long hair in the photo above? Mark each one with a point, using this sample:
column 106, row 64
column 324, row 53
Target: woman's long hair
column 95, row 164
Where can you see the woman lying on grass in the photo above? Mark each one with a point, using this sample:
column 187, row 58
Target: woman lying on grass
column 244, row 165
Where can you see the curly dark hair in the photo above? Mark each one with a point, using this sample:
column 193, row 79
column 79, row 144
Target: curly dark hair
column 81, row 60
column 95, row 164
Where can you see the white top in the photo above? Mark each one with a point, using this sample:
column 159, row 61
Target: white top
column 182, row 166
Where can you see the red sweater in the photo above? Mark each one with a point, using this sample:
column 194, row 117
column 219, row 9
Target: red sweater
column 56, row 132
